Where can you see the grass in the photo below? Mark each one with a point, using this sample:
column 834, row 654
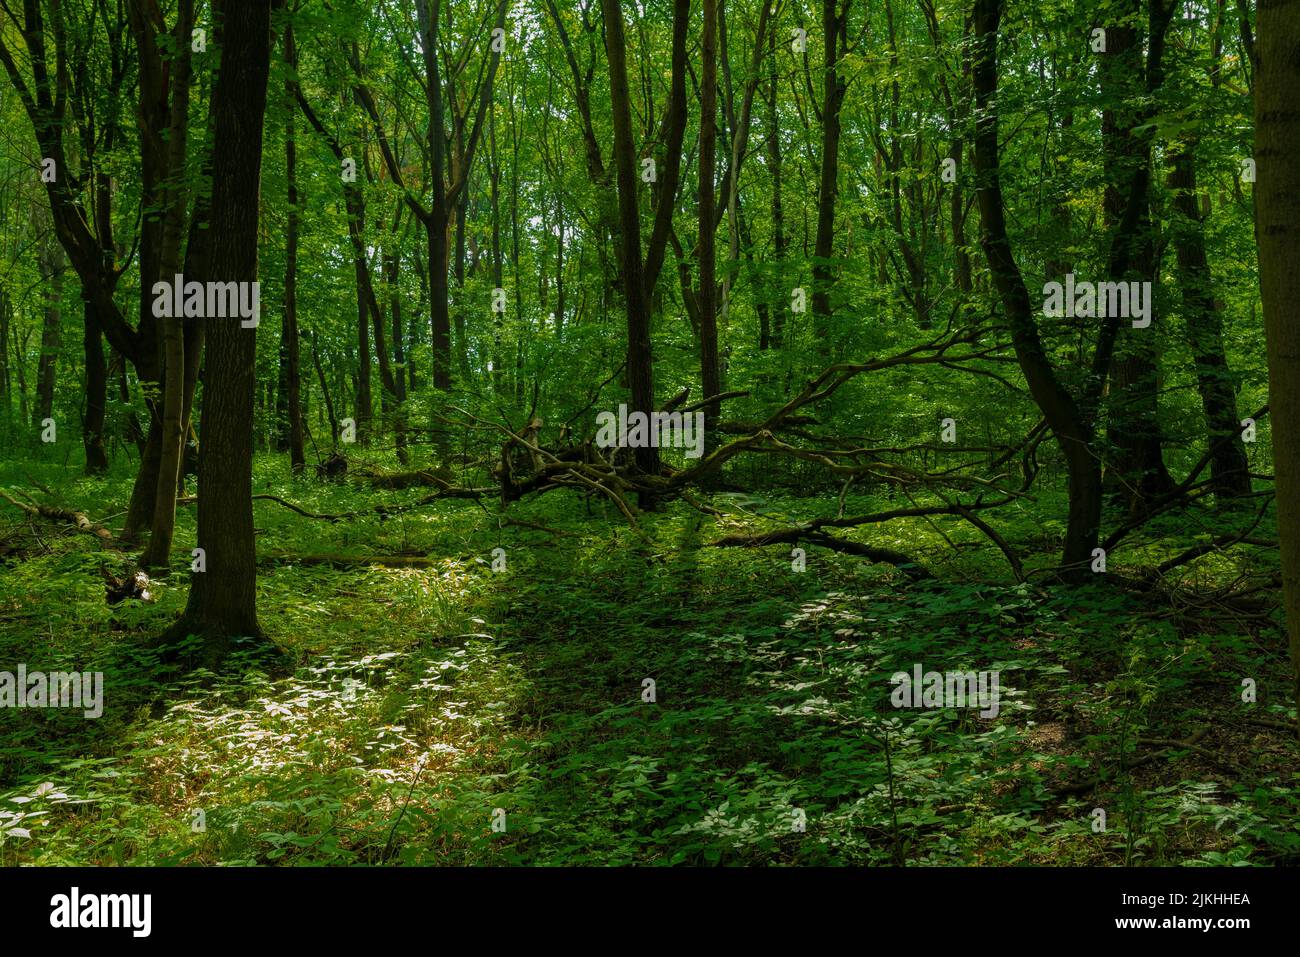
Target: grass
column 459, row 714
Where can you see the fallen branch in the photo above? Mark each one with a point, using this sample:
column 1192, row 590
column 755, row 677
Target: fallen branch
column 905, row 563
column 77, row 519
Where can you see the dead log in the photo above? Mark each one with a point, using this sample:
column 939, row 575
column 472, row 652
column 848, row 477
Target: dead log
column 65, row 515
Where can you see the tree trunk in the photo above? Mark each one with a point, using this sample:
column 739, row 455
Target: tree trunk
column 834, row 31
column 710, row 377
column 1134, row 420
column 780, row 296
column 289, row 339
column 1277, row 232
column 325, row 390
column 223, row 598
column 1229, row 469
column 158, row 552
column 391, row 267
column 92, row 428
column 640, row 367
column 51, row 264
column 365, row 403
column 1083, row 473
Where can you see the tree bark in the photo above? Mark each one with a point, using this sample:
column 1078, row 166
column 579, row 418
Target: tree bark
column 710, row 376
column 92, row 427
column 1277, row 233
column 290, row 352
column 1134, row 421
column 51, row 264
column 1229, row 469
column 223, row 599
column 834, row 33
column 640, row 367
column 780, row 296
column 158, row 552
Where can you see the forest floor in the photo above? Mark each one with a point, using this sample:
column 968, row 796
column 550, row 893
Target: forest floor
column 457, row 714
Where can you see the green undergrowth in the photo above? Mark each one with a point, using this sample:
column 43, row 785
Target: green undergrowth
column 465, row 713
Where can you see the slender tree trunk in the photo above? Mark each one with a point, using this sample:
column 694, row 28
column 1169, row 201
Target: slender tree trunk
column 1063, row 416
column 158, row 552
column 20, row 362
column 462, row 334
column 710, row 376
column 289, row 339
column 365, row 403
column 640, row 364
column 1277, row 232
column 52, row 268
column 780, row 296
column 498, row 276
column 391, row 266
column 1229, row 469
column 834, row 31
column 325, row 390
column 1134, row 421
column 6, row 314
column 92, row 429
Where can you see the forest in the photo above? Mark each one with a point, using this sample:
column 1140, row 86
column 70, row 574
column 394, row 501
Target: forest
column 650, row 432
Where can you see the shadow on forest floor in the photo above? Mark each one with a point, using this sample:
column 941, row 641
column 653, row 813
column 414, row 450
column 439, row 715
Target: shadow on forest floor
column 599, row 700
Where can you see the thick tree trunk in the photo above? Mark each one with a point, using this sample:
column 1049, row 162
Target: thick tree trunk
column 439, row 316
column 223, row 600
column 1277, row 232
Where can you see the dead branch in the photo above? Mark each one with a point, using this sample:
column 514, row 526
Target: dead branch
column 789, row 536
column 67, row 516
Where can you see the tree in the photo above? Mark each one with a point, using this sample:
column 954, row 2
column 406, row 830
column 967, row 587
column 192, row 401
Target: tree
column 1073, row 432
column 148, row 25
column 710, row 376
column 81, row 199
column 291, row 432
column 223, row 601
column 835, row 29
column 1277, row 231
